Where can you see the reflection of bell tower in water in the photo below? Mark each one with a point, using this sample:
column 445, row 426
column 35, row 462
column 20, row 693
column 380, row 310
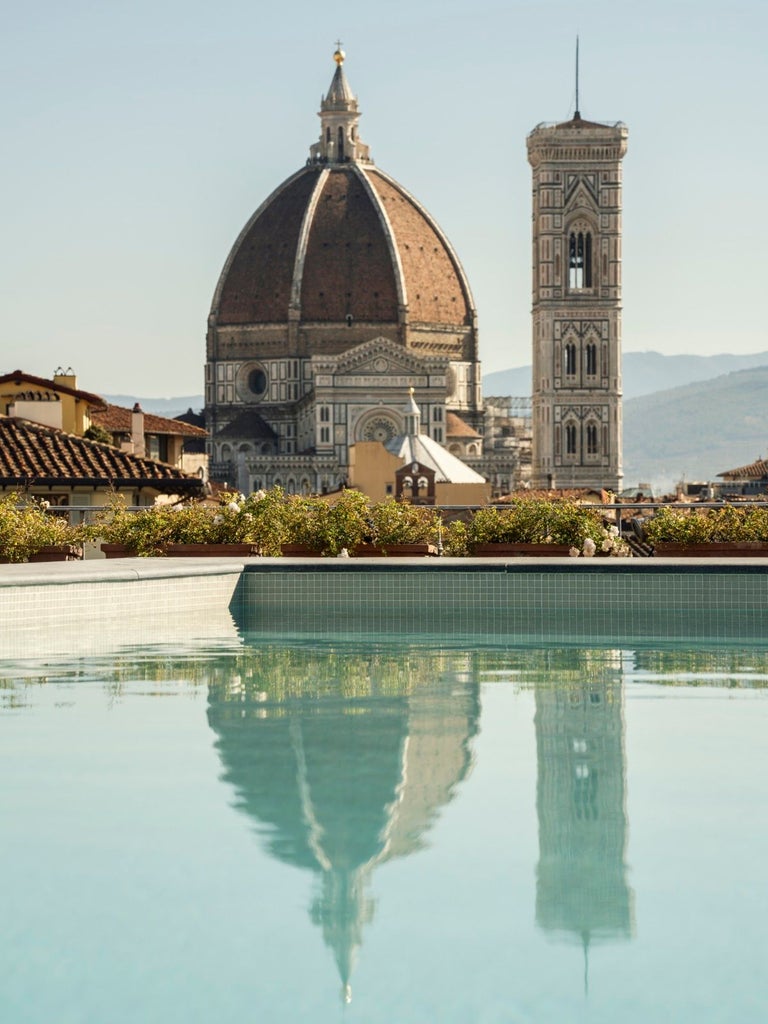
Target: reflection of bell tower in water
column 582, row 891
column 343, row 780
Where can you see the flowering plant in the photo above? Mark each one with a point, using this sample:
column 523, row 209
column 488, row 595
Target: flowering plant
column 327, row 526
column 704, row 526
column 27, row 526
column 142, row 532
column 258, row 519
column 398, row 522
column 538, row 521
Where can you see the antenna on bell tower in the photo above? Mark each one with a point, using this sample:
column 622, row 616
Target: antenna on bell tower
column 577, row 113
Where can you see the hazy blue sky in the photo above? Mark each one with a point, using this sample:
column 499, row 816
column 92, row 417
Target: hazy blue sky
column 139, row 138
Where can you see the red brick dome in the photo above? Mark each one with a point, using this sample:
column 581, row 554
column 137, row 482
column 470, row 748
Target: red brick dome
column 345, row 244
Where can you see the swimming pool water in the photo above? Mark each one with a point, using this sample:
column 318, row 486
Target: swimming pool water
column 378, row 832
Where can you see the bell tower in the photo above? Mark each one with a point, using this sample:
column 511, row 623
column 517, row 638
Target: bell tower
column 577, row 302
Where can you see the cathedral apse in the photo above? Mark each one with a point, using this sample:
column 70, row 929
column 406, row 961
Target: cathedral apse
column 343, row 761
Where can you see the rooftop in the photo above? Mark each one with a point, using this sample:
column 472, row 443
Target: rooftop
column 34, row 454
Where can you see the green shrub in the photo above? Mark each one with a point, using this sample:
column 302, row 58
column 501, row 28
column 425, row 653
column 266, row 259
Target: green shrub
column 398, row 522
column 144, row 531
column 27, row 526
column 328, row 525
column 455, row 539
column 536, row 521
column 728, row 524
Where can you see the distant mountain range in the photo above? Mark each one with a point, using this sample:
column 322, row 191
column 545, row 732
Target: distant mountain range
column 160, row 406
column 697, row 431
column 685, row 417
column 642, row 372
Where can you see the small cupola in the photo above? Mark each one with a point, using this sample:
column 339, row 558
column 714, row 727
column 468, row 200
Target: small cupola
column 339, row 117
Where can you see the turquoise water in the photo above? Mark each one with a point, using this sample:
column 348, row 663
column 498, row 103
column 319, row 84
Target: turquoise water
column 367, row 832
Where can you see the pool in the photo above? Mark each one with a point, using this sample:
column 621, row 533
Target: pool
column 383, row 830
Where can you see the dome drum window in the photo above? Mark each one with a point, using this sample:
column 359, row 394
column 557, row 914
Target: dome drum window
column 252, row 382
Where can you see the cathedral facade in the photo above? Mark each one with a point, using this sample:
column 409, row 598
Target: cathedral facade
column 339, row 295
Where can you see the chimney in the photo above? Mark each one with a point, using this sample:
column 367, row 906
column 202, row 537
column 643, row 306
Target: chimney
column 137, row 431
column 65, row 378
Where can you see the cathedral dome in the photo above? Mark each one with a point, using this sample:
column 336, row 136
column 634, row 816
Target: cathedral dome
column 341, row 244
column 340, row 291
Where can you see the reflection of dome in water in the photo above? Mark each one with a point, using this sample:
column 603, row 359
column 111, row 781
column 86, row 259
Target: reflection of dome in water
column 340, row 784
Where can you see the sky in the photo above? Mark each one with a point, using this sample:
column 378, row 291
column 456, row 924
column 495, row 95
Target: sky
column 139, row 137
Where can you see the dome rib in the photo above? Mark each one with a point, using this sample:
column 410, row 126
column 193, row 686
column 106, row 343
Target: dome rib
column 348, row 270
column 344, row 244
column 389, row 235
column 301, row 248
column 416, row 305
column 255, row 286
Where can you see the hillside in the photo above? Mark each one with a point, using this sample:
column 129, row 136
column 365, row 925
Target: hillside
column 692, row 432
column 697, row 431
column 160, row 406
column 643, row 372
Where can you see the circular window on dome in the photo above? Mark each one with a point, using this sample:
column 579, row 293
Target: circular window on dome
column 257, row 382
column 252, row 382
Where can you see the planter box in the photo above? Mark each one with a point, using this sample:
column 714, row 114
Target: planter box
column 715, row 549
column 211, row 550
column 58, row 553
column 118, row 551
column 521, row 550
column 299, row 551
column 394, row 550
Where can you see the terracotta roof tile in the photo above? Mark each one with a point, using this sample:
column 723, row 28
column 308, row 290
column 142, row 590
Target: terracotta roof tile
column 558, row 494
column 31, row 453
column 754, row 471
column 348, row 266
column 257, row 283
column 117, row 419
column 456, row 427
column 434, row 285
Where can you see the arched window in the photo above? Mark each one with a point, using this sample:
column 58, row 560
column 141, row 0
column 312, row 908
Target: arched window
column 570, row 359
column 570, row 439
column 340, row 154
column 580, row 260
column 592, row 437
column 591, row 354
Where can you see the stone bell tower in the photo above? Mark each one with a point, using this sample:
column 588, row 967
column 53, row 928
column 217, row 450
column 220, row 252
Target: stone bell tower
column 577, row 303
